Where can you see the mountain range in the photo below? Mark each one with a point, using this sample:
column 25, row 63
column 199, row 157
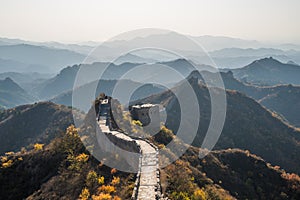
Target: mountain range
column 248, row 126
column 256, row 156
column 260, row 136
column 64, row 81
column 238, row 57
column 226, row 52
column 31, row 58
column 269, row 71
column 274, row 98
column 48, row 172
column 209, row 42
column 58, row 89
column 107, row 87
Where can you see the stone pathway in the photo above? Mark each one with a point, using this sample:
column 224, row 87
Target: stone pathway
column 149, row 176
column 148, row 186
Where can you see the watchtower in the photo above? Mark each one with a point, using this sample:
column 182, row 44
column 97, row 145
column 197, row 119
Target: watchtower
column 145, row 113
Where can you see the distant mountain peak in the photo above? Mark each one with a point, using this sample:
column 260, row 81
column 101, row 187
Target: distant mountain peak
column 9, row 84
column 12, row 94
column 180, row 61
column 230, row 73
column 271, row 62
column 268, row 71
column 195, row 75
column 268, row 61
column 8, row 79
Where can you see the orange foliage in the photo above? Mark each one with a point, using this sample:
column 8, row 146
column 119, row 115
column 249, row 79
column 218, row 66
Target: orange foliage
column 102, row 196
column 82, row 158
column 38, row 146
column 84, row 194
column 113, row 171
column 106, row 189
column 116, row 198
column 291, row 176
column 115, row 181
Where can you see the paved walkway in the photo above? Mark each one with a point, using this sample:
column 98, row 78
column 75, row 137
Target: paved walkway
column 148, row 185
column 149, row 179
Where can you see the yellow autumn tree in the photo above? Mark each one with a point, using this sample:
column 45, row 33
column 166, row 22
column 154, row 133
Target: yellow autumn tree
column 38, row 146
column 115, row 181
column 85, row 194
column 107, row 189
column 102, row 196
column 199, row 194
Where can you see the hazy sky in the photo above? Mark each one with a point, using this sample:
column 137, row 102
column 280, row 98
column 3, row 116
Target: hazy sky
column 86, row 20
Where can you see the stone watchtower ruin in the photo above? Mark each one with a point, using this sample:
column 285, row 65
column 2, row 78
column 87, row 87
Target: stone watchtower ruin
column 147, row 114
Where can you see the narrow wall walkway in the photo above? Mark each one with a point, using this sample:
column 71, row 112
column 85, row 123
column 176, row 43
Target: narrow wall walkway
column 149, row 174
column 148, row 185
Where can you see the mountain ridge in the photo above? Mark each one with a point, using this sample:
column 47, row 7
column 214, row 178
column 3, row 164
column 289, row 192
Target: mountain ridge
column 248, row 126
column 32, row 123
column 40, row 58
column 268, row 71
column 12, row 94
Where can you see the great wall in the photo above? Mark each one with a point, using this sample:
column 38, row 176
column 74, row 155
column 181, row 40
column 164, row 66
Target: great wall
column 137, row 152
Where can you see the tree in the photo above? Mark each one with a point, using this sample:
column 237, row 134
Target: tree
column 91, row 179
column 199, row 194
column 38, row 147
column 85, row 194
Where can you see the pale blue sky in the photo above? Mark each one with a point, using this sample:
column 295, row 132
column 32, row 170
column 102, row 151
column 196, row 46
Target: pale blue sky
column 85, row 20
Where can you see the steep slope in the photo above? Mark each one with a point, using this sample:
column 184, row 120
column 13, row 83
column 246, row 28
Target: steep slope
column 11, row 94
column 47, row 174
column 246, row 176
column 285, row 101
column 28, row 124
column 61, row 170
column 62, row 82
column 269, row 71
column 242, row 174
column 282, row 99
column 247, row 126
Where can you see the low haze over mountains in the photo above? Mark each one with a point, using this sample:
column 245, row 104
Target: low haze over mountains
column 256, row 156
column 30, row 58
column 12, row 94
column 20, row 56
column 269, row 71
